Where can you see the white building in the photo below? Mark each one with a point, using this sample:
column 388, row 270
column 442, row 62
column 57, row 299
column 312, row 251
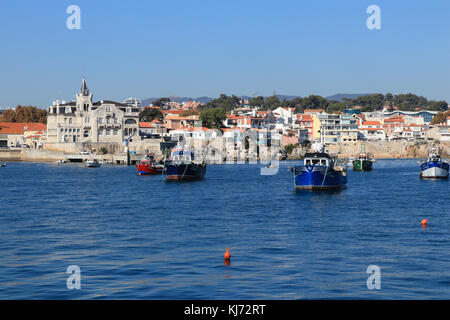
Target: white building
column 83, row 120
column 372, row 130
column 132, row 102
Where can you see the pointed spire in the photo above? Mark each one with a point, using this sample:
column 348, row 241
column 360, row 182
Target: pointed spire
column 84, row 89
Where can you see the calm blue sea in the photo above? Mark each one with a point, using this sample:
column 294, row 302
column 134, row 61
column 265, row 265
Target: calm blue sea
column 142, row 238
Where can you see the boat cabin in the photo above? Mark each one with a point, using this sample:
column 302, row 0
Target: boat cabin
column 434, row 157
column 180, row 155
column 318, row 159
column 363, row 157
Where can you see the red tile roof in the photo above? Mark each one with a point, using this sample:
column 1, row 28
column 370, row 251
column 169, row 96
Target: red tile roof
column 19, row 127
column 146, row 125
column 371, row 123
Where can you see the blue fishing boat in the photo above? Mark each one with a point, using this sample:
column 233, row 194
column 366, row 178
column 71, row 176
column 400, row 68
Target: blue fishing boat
column 183, row 166
column 434, row 167
column 319, row 172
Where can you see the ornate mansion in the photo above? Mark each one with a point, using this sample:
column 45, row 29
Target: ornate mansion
column 83, row 120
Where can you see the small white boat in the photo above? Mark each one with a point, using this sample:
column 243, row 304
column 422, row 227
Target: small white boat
column 350, row 162
column 434, row 166
column 92, row 163
column 61, row 161
column 3, row 164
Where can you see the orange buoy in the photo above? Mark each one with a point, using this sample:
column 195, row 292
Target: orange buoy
column 227, row 254
column 424, row 222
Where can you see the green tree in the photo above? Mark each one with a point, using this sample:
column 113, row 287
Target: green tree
column 224, row 102
column 161, row 102
column 369, row 102
column 314, row 102
column 272, row 103
column 256, row 101
column 149, row 114
column 290, row 147
column 336, row 106
column 213, row 118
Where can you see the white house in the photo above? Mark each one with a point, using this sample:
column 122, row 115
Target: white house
column 372, row 130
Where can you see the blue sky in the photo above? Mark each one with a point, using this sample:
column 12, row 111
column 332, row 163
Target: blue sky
column 207, row 47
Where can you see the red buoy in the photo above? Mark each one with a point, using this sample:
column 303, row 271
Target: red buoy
column 227, row 254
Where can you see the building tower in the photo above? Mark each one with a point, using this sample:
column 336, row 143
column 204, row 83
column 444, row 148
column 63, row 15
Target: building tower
column 84, row 98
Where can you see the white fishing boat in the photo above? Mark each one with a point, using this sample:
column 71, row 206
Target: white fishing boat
column 434, row 166
column 3, row 164
column 92, row 163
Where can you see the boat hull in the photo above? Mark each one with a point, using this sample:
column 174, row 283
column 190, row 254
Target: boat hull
column 185, row 172
column 318, row 178
column 92, row 165
column 362, row 165
column 143, row 170
column 434, row 170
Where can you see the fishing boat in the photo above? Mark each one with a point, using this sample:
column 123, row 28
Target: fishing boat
column 319, row 172
column 183, row 166
column 92, row 163
column 434, row 166
column 3, row 164
column 362, row 163
column 148, row 166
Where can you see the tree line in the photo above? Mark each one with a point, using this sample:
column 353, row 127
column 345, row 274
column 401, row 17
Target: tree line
column 28, row 114
column 367, row 103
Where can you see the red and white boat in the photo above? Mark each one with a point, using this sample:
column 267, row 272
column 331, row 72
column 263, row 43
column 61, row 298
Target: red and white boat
column 149, row 167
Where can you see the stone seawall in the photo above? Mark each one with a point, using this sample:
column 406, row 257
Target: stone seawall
column 391, row 149
column 31, row 155
column 382, row 149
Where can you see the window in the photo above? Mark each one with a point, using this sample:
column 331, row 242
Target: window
column 108, row 120
column 86, row 120
column 116, row 120
column 108, row 132
column 100, row 120
column 115, row 132
column 108, row 109
column 70, row 120
column 130, row 121
column 100, row 132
